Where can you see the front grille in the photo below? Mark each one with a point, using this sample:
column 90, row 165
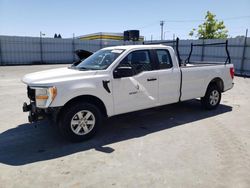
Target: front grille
column 31, row 93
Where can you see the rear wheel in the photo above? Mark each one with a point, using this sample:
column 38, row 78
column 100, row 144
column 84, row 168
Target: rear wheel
column 212, row 98
column 79, row 121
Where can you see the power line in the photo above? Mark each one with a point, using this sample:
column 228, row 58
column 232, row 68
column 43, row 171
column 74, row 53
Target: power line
column 200, row 20
column 222, row 19
column 235, row 18
column 148, row 25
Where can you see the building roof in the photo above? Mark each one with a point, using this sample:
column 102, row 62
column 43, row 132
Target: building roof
column 104, row 36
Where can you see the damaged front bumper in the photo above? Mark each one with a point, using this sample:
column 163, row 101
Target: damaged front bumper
column 35, row 114
column 38, row 114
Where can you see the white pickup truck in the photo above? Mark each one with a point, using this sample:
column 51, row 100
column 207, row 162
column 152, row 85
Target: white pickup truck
column 118, row 80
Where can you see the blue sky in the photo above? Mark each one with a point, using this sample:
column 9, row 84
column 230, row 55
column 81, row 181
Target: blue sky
column 29, row 17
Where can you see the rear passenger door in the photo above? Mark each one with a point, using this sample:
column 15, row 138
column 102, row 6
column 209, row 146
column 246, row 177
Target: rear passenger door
column 169, row 78
column 139, row 91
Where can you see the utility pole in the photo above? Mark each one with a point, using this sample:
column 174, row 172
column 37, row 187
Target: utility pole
column 161, row 24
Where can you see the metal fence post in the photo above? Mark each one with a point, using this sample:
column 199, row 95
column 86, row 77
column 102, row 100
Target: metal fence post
column 41, row 48
column 100, row 41
column 243, row 54
column 174, row 42
column 73, row 47
column 1, row 54
column 202, row 50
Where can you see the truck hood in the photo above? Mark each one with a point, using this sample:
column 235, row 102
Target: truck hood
column 49, row 77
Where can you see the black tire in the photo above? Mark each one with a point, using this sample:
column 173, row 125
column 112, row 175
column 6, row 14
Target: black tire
column 71, row 112
column 208, row 102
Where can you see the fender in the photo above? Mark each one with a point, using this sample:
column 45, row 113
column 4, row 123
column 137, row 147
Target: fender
column 218, row 81
column 71, row 91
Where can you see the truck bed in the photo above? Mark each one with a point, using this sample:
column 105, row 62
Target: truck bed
column 202, row 63
column 196, row 77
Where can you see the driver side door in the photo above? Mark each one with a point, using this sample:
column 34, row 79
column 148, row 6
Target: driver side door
column 140, row 90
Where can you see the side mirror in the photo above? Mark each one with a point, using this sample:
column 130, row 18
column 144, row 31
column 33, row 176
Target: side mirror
column 123, row 72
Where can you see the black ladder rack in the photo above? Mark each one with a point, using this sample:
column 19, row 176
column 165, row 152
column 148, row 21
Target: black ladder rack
column 210, row 44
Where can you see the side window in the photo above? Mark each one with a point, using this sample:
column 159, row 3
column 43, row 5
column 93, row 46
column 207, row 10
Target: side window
column 164, row 59
column 138, row 60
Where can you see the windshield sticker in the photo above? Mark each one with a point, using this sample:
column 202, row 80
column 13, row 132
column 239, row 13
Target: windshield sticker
column 116, row 51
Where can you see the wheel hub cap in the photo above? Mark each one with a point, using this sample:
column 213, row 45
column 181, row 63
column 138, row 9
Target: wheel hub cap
column 214, row 97
column 82, row 122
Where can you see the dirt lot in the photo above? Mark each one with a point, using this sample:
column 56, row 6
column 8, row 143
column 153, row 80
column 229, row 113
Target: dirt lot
column 178, row 145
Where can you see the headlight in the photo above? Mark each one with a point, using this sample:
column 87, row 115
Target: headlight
column 44, row 96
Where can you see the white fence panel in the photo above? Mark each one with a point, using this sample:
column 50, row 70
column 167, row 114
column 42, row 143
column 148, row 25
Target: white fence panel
column 34, row 50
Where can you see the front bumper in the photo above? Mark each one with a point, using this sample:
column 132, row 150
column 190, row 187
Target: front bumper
column 38, row 114
column 35, row 114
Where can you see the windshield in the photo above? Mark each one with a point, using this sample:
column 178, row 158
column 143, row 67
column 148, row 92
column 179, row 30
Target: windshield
column 100, row 60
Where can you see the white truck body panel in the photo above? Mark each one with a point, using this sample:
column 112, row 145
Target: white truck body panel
column 132, row 93
column 135, row 93
column 196, row 79
column 71, row 83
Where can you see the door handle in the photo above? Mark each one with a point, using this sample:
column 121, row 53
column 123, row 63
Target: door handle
column 151, row 79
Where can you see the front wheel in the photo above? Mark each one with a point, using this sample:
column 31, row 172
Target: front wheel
column 212, row 98
column 79, row 121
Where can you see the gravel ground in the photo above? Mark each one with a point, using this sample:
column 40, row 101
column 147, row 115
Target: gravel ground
column 177, row 145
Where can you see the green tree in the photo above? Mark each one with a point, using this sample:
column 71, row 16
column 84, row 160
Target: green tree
column 211, row 28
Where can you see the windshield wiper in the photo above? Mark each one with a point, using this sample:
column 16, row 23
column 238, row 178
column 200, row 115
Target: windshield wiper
column 72, row 67
column 83, row 68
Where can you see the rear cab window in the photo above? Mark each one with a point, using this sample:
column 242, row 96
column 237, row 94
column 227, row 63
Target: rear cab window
column 164, row 59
